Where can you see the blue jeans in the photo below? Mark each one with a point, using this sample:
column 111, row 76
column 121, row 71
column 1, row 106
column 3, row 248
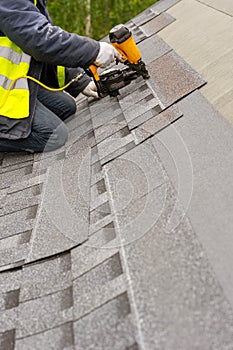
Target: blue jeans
column 48, row 129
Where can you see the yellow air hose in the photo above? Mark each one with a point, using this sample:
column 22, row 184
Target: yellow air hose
column 79, row 76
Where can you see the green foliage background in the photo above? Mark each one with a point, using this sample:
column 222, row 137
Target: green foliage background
column 71, row 14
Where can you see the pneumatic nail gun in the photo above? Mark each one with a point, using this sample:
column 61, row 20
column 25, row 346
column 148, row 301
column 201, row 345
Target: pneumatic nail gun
column 110, row 81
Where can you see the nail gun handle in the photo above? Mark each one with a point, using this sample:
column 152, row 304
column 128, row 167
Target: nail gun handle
column 94, row 72
column 121, row 52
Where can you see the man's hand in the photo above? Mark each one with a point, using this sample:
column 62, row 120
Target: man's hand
column 107, row 55
column 91, row 90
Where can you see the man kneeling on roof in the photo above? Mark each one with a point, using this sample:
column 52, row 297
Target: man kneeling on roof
column 31, row 117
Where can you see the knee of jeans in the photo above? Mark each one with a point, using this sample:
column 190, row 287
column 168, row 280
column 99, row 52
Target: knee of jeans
column 60, row 135
column 63, row 133
column 69, row 110
column 57, row 138
column 73, row 107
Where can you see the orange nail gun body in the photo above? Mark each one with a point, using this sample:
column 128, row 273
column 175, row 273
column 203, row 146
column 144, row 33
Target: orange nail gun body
column 110, row 81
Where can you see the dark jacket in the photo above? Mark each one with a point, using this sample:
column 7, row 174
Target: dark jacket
column 31, row 29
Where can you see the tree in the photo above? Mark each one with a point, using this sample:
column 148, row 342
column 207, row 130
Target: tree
column 94, row 18
column 88, row 19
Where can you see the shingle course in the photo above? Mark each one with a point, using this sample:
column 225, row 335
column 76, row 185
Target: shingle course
column 86, row 258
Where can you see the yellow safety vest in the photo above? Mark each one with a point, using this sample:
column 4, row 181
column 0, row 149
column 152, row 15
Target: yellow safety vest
column 13, row 64
column 61, row 76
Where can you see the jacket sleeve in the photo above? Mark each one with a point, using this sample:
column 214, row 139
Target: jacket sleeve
column 22, row 23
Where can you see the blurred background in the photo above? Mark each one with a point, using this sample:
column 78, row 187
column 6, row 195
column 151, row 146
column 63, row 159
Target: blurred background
column 94, row 18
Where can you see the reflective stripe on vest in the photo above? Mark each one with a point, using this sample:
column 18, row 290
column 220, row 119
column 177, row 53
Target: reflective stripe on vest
column 61, row 77
column 13, row 64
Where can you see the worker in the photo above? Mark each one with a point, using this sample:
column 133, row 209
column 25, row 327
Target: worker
column 31, row 117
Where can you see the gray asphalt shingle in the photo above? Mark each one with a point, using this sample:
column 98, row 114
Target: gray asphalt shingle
column 173, row 78
column 88, row 257
column 157, row 24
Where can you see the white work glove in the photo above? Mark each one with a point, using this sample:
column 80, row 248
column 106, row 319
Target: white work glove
column 91, row 90
column 107, row 55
